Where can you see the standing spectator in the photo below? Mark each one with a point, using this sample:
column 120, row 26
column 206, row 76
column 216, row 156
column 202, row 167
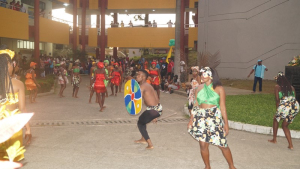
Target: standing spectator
column 18, row 6
column 42, row 13
column 50, row 15
column 170, row 69
column 259, row 70
column 154, row 24
column 23, row 9
column 112, row 24
column 122, row 24
column 3, row 3
column 12, row 5
column 130, row 24
column 182, row 72
column 47, row 65
column 51, row 66
column 42, row 66
column 163, row 73
column 170, row 24
column 149, row 24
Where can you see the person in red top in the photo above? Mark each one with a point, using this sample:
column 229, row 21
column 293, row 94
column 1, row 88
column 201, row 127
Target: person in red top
column 116, row 79
column 99, row 86
column 121, row 77
column 170, row 73
column 155, row 79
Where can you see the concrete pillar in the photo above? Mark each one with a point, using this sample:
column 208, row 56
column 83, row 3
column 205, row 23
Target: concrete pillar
column 182, row 30
column 146, row 19
column 83, row 24
column 186, row 50
column 37, row 31
column 177, row 39
column 115, row 50
column 75, row 25
column 103, row 39
column 98, row 37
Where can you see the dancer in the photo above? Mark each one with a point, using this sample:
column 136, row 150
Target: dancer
column 12, row 96
column 195, row 82
column 62, row 78
column 92, row 81
column 121, row 77
column 115, row 81
column 153, row 110
column 154, row 74
column 31, row 83
column 208, row 123
column 287, row 107
column 99, row 86
column 106, row 67
column 76, row 79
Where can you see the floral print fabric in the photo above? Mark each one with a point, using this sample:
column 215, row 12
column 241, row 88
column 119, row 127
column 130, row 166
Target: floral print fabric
column 287, row 110
column 208, row 126
column 76, row 81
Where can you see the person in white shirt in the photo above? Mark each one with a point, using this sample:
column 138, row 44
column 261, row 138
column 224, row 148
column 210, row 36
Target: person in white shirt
column 149, row 24
column 170, row 24
column 122, row 24
column 111, row 24
column 23, row 9
column 154, row 24
column 130, row 24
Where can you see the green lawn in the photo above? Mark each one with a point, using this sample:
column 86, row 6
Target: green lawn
column 256, row 109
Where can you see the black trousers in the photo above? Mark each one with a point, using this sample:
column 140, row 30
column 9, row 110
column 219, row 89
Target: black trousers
column 146, row 117
column 259, row 80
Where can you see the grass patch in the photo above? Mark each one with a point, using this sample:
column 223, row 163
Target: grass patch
column 267, row 87
column 256, row 109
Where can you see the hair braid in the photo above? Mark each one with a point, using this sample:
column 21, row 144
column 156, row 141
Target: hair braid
column 5, row 80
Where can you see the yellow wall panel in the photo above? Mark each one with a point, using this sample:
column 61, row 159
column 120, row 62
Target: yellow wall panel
column 141, row 4
column 193, row 36
column 93, row 37
column 65, row 1
column 93, row 4
column 192, row 3
column 14, row 24
column 54, row 32
column 140, row 37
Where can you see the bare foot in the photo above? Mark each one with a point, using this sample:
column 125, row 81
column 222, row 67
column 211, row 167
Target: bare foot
column 76, row 97
column 90, row 102
column 60, row 96
column 149, row 147
column 140, row 141
column 112, row 94
column 63, row 96
column 272, row 141
column 291, row 147
column 101, row 109
column 116, row 94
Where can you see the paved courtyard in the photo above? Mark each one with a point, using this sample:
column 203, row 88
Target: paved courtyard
column 71, row 133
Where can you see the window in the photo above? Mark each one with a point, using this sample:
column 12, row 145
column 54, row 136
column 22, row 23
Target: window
column 31, row 3
column 28, row 45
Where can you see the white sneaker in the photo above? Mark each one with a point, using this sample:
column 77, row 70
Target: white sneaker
column 167, row 92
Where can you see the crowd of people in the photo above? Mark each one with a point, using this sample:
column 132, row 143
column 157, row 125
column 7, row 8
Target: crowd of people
column 17, row 6
column 130, row 24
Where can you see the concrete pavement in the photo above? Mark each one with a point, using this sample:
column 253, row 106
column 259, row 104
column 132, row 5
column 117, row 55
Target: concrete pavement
column 70, row 133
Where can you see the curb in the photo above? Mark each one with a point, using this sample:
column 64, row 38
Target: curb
column 253, row 128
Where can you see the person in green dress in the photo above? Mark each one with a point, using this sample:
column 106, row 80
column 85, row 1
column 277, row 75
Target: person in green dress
column 287, row 107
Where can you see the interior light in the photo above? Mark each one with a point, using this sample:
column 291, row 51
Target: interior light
column 65, row 4
column 153, row 10
column 125, row 10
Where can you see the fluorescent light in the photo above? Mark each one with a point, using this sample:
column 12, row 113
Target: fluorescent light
column 126, row 10
column 153, row 10
column 65, row 4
